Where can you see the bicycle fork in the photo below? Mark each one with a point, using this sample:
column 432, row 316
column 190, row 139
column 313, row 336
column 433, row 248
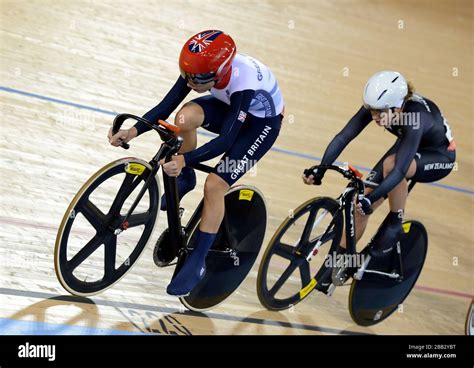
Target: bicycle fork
column 165, row 150
column 124, row 224
column 318, row 244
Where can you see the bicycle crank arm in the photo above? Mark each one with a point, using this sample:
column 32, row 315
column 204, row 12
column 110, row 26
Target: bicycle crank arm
column 360, row 272
column 331, row 290
column 339, row 275
column 391, row 275
column 399, row 253
column 223, row 252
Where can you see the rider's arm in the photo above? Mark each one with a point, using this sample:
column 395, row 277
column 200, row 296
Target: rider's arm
column 405, row 154
column 352, row 129
column 164, row 109
column 234, row 119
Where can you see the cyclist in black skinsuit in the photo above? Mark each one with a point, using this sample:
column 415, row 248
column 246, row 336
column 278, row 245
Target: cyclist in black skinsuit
column 424, row 151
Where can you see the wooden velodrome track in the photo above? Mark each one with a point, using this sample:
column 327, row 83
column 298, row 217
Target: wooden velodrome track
column 67, row 66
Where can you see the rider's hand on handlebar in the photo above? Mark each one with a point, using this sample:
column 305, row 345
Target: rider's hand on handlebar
column 313, row 176
column 173, row 167
column 123, row 135
column 364, row 206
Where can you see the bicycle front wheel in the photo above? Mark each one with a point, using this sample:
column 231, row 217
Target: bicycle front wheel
column 285, row 277
column 89, row 255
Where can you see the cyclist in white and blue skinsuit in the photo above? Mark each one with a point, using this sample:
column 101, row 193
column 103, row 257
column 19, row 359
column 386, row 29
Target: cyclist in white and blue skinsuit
column 244, row 108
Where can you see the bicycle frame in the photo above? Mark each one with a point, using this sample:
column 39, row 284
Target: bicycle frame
column 346, row 200
column 355, row 187
column 347, row 203
column 178, row 235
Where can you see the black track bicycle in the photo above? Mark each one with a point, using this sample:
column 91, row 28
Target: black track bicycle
column 292, row 264
column 111, row 219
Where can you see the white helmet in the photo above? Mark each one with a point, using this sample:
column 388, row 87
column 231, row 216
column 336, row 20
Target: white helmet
column 384, row 90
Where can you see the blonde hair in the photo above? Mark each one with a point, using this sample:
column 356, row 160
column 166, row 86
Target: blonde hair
column 411, row 91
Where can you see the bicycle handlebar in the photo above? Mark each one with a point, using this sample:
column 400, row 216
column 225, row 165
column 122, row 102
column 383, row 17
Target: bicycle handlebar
column 165, row 129
column 351, row 174
column 117, row 124
column 354, row 175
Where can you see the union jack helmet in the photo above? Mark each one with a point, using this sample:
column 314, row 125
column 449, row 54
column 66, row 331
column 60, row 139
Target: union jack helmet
column 207, row 56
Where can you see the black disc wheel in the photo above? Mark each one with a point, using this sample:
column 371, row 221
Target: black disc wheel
column 375, row 297
column 237, row 245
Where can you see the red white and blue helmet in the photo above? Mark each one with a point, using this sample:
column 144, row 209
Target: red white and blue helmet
column 207, row 56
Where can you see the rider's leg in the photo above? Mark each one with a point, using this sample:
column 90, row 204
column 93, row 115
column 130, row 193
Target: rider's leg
column 375, row 176
column 188, row 119
column 213, row 211
column 232, row 166
column 391, row 228
column 212, row 214
column 420, row 169
column 206, row 112
column 397, row 198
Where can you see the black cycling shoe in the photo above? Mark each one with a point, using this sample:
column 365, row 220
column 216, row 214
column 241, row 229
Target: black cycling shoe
column 385, row 240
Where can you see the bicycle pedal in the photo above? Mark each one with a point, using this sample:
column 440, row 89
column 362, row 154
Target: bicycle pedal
column 358, row 275
column 339, row 277
column 337, row 281
column 331, row 289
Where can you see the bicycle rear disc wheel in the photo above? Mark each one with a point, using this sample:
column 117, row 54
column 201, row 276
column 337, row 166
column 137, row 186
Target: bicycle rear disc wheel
column 376, row 297
column 89, row 257
column 228, row 263
column 285, row 277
